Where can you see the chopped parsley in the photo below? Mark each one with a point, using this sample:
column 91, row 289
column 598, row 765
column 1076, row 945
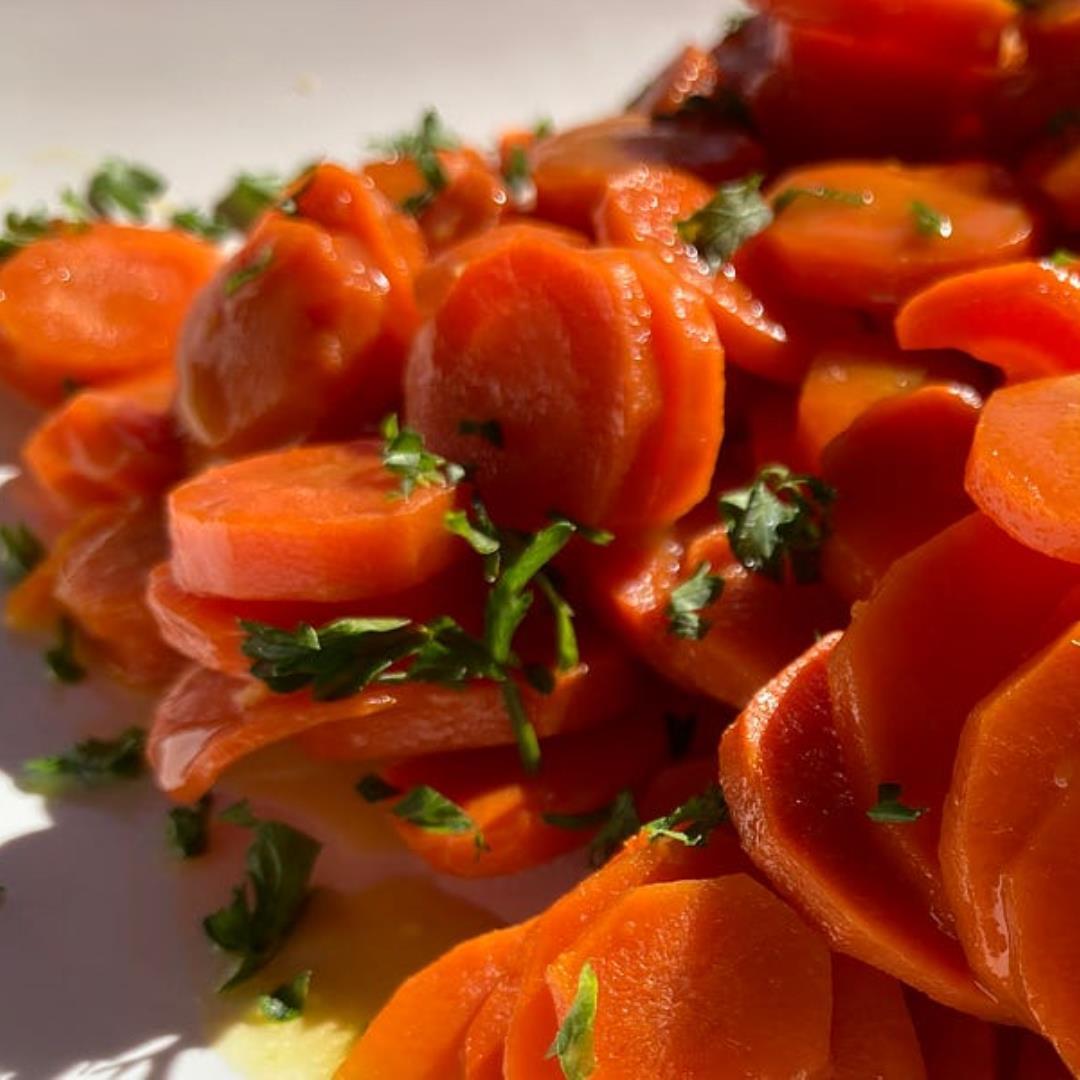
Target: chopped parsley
column 734, row 214
column 423, row 146
column 491, row 430
column 60, row 661
column 287, row 1001
column 20, row 551
column 480, row 536
column 890, row 810
column 187, row 829
column 433, row 812
column 692, row 822
column 930, row 222
column 253, row 269
column 249, row 197
column 125, row 188
column 199, row 223
column 778, row 523
column 688, row 600
column 87, row 764
column 621, row 823
column 373, row 788
column 822, row 193
column 22, row 229
column 405, row 455
column 518, row 177
column 1062, row 258
column 573, row 1043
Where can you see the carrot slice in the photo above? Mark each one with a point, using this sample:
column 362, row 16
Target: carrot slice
column 107, row 445
column 755, row 627
column 640, row 209
column 580, row 774
column 92, row 306
column 882, row 247
column 641, row 862
column 1025, row 464
column 1060, row 182
column 420, row 1032
column 947, row 623
column 687, row 967
column 791, row 799
column 898, row 474
column 954, row 1046
column 288, row 340
column 314, row 523
column 1023, row 318
column 872, row 1032
column 207, row 721
column 602, row 371
column 485, row 1040
column 693, row 73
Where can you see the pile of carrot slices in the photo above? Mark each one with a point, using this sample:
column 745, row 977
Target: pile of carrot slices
column 696, row 490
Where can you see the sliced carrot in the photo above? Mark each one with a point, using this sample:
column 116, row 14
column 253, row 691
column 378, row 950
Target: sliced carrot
column 92, row 306
column 580, row 774
column 1025, row 464
column 603, row 372
column 420, row 1033
column 1023, row 318
column 313, row 523
column 100, row 582
column 883, row 248
column 791, row 799
column 947, row 623
column 108, row 445
column 641, row 862
column 288, row 340
column 954, row 1046
column 207, row 721
column 673, row 785
column 692, row 74
column 872, row 1032
column 686, row 968
column 485, row 1040
column 1059, row 181
column 898, row 473
column 640, row 209
column 755, row 627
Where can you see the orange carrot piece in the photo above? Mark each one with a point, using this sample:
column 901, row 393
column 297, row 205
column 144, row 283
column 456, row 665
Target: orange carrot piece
column 947, row 623
column 313, row 523
column 872, row 1032
column 692, row 74
column 207, row 721
column 603, row 372
column 1023, row 318
column 898, row 473
column 1025, row 464
column 880, row 250
column 756, row 626
column 580, row 774
column 420, row 1032
column 1060, row 183
column 954, row 1046
column 107, row 445
column 686, row 968
column 485, row 1041
column 674, row 784
column 791, row 799
column 93, row 306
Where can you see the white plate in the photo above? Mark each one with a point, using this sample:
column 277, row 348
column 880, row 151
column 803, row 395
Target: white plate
column 101, row 957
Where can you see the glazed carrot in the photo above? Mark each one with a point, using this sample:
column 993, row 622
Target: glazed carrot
column 640, row 209
column 1024, row 464
column 674, row 784
column 100, row 582
column 947, row 623
column 898, row 474
column 1021, row 739
column 1023, row 318
column 604, row 375
column 314, row 523
column 954, row 1046
column 792, row 802
column 755, row 627
column 92, row 306
column 571, row 169
column 288, row 340
column 420, row 1032
column 641, row 862
column 108, row 445
column 872, row 1032
column 207, row 721
column 485, row 1041
column 692, row 74
column 581, row 774
column 893, row 231
column 686, row 968
column 1059, row 181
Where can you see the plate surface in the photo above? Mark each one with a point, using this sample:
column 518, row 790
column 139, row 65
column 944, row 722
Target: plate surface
column 102, row 957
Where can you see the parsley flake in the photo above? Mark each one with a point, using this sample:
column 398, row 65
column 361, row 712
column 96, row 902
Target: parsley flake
column 187, row 829
column 123, row 187
column 423, row 146
column 822, row 193
column 433, row 812
column 930, row 222
column 405, row 455
column 20, row 551
column 60, row 660
column 692, row 822
column 573, row 1044
column 287, row 1001
column 1062, row 258
column 198, row 223
column 249, row 197
column 890, row 810
column 22, row 229
column 734, row 214
column 621, row 823
column 518, row 177
column 253, row 269
column 688, row 600
column 87, row 764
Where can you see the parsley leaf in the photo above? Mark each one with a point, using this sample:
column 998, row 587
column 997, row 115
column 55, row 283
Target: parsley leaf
column 687, row 600
column 22, row 229
column 433, row 812
column 287, row 1001
column 485, row 429
column 122, row 186
column 573, row 1044
column 1062, row 258
column 544, row 128
column 60, row 660
column 195, row 221
column 889, row 810
column 518, row 177
column 87, row 764
column 479, row 537
column 187, row 828
column 262, row 911
column 423, row 146
column 405, row 455
column 20, row 552
column 255, row 266
column 778, row 522
column 373, row 788
column 820, row 191
column 734, row 214
column 930, row 222
column 250, row 196
column 622, row 822
column 693, row 821
column 567, row 655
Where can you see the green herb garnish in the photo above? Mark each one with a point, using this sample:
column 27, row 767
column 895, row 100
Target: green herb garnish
column 822, row 193
column 199, row 223
column 423, row 146
column 255, row 267
column 187, row 828
column 60, row 660
column 734, row 214
column 87, row 764
column 123, row 187
column 1062, row 258
column 249, row 197
column 693, row 822
column 405, row 455
column 688, row 600
column 373, row 788
column 621, row 823
column 20, row 551
column 287, row 1001
column 433, row 812
column 22, row 229
column 573, row 1044
column 890, row 810
column 930, row 222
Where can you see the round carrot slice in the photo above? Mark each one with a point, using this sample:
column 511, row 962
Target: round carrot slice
column 1025, row 464
column 91, row 306
column 1023, row 318
column 319, row 523
column 892, row 230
